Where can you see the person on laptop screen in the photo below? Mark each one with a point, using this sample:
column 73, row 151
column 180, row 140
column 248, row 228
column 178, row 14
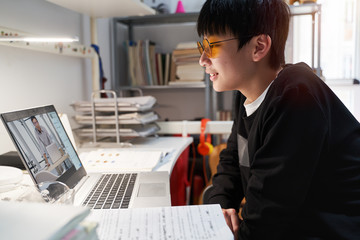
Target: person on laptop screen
column 294, row 150
column 44, row 140
column 45, row 159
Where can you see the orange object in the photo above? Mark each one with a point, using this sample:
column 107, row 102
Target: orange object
column 204, row 148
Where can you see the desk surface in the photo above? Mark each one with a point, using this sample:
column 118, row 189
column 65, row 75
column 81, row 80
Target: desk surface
column 176, row 145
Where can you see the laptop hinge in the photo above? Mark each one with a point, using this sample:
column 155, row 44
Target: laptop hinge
column 80, row 183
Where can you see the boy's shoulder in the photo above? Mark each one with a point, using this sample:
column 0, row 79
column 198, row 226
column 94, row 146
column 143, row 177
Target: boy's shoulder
column 299, row 73
column 298, row 76
column 300, row 67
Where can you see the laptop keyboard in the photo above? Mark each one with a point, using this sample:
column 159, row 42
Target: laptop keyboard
column 112, row 191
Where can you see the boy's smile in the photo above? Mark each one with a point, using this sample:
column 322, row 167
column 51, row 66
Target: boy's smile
column 226, row 62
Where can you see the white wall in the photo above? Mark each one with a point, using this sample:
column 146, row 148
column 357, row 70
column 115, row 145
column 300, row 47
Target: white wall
column 104, row 43
column 189, row 5
column 29, row 78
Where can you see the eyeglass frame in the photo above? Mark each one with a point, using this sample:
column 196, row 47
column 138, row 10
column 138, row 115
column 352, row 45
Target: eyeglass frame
column 210, row 43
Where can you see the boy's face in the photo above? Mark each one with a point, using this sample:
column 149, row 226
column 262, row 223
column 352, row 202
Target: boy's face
column 229, row 68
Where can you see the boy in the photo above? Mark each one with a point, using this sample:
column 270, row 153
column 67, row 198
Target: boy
column 294, row 150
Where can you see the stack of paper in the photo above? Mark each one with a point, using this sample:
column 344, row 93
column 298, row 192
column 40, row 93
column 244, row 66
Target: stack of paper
column 115, row 160
column 25, row 220
column 124, row 131
column 108, row 118
column 127, row 118
column 125, row 104
column 184, row 222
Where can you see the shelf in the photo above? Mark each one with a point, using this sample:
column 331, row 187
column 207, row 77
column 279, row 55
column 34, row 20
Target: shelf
column 305, row 9
column 158, row 19
column 127, row 28
column 106, row 8
column 180, row 86
column 66, row 49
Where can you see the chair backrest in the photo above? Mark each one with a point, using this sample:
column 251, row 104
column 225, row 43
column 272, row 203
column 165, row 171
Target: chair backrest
column 213, row 162
column 214, row 159
column 45, row 176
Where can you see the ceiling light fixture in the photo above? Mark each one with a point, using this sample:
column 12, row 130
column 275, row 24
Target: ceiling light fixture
column 37, row 39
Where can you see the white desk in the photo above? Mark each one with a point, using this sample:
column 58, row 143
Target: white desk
column 176, row 144
column 179, row 144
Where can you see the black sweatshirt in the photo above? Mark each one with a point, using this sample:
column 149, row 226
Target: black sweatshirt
column 296, row 159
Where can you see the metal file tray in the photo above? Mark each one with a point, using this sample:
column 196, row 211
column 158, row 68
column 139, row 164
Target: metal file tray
column 124, row 131
column 125, row 104
column 127, row 118
column 102, row 119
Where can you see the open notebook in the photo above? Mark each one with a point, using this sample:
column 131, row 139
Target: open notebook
column 109, row 160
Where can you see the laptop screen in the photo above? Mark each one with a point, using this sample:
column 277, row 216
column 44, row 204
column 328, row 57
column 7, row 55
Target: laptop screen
column 44, row 146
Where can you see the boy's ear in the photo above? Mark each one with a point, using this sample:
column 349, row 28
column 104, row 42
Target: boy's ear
column 262, row 45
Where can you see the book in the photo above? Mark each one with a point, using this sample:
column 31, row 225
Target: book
column 147, row 62
column 186, row 45
column 144, row 61
column 190, row 72
column 190, row 83
column 130, row 46
column 140, row 71
column 159, row 68
column 152, row 58
column 185, row 64
column 172, row 69
column 32, row 220
column 186, row 52
column 167, row 68
column 84, row 230
column 145, row 65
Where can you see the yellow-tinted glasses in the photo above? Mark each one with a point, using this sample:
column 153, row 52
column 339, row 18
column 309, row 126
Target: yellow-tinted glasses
column 210, row 47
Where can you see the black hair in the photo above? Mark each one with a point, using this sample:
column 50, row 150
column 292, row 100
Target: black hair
column 32, row 118
column 246, row 19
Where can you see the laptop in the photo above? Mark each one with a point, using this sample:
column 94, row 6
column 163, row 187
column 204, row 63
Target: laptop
column 34, row 130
